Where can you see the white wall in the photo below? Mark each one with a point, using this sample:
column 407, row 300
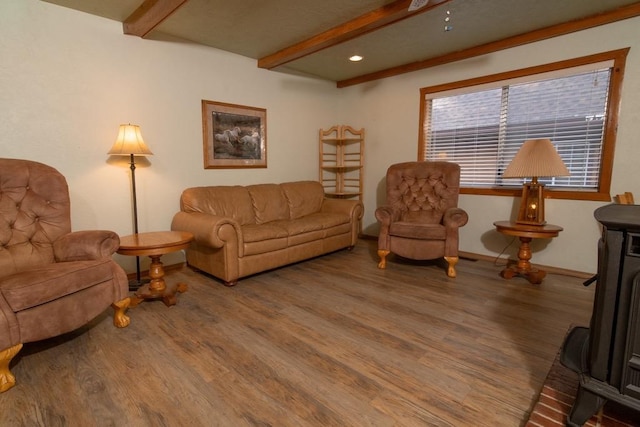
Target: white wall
column 68, row 79
column 389, row 110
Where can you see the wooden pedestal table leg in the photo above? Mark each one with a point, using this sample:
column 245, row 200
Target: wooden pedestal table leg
column 523, row 268
column 157, row 287
column 156, row 272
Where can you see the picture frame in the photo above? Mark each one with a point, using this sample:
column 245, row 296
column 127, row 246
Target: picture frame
column 234, row 136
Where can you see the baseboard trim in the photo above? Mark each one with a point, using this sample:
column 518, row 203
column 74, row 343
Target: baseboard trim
column 479, row 257
column 466, row 255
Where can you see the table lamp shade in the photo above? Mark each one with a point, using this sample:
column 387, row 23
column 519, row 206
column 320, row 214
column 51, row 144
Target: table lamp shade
column 536, row 158
column 129, row 141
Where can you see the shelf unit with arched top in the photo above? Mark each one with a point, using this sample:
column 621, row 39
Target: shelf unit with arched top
column 342, row 161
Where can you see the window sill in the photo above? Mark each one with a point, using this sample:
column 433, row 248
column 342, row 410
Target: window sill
column 548, row 193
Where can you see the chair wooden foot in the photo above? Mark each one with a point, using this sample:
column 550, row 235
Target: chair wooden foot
column 451, row 268
column 382, row 253
column 120, row 319
column 7, row 380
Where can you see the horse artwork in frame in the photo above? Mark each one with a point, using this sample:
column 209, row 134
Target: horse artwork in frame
column 234, row 136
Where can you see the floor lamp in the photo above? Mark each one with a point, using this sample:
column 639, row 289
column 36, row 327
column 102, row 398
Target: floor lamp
column 130, row 143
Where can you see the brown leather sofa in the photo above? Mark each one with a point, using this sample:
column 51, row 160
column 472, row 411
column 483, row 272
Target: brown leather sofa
column 52, row 280
column 243, row 230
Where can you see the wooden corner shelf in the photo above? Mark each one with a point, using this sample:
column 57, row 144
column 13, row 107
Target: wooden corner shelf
column 342, row 161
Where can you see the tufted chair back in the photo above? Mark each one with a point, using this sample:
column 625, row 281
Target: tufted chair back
column 34, row 212
column 421, row 218
column 422, row 191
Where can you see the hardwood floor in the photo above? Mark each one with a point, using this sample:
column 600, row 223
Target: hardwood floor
column 333, row 341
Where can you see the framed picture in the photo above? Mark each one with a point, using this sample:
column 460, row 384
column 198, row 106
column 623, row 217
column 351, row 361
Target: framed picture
column 234, row 136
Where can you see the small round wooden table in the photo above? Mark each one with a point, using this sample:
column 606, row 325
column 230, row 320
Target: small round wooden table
column 526, row 233
column 155, row 244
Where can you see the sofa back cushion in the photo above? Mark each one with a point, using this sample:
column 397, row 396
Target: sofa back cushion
column 269, row 202
column 304, row 197
column 228, row 201
column 255, row 204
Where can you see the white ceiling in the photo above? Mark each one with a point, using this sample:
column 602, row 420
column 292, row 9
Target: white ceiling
column 260, row 28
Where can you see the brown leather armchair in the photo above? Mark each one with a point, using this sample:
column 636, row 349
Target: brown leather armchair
column 52, row 280
column 421, row 219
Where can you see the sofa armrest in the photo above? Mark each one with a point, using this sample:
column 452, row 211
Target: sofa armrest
column 353, row 208
column 454, row 218
column 86, row 245
column 209, row 230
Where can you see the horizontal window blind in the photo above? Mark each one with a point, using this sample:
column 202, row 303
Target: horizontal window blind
column 482, row 130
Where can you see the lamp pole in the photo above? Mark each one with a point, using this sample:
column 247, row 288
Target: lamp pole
column 135, row 213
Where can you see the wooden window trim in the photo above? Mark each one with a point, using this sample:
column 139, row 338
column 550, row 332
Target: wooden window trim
column 609, row 139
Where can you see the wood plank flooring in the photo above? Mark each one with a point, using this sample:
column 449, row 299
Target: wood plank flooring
column 332, row 341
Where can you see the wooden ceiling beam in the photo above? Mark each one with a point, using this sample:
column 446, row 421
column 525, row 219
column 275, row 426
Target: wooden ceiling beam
column 149, row 15
column 619, row 14
column 363, row 24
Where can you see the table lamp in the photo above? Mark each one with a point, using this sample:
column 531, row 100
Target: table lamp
column 130, row 143
column 536, row 158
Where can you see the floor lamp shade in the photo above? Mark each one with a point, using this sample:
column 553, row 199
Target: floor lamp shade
column 130, row 143
column 536, row 158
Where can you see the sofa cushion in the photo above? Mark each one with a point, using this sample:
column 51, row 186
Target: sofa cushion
column 42, row 285
column 265, row 246
column 256, row 233
column 259, row 239
column 328, row 220
column 228, row 201
column 269, row 202
column 300, row 225
column 304, row 197
column 314, row 227
column 338, row 229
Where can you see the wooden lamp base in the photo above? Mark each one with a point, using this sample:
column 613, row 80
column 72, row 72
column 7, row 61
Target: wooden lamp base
column 532, row 204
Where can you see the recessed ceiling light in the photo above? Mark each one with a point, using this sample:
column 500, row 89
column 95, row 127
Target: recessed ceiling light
column 355, row 58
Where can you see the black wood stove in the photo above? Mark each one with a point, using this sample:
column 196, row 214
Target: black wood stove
column 607, row 354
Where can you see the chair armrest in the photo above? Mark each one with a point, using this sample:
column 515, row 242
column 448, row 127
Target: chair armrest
column 386, row 214
column 353, row 208
column 86, row 245
column 209, row 230
column 455, row 218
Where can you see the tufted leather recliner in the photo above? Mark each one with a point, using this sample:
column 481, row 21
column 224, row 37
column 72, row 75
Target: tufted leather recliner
column 52, row 280
column 421, row 218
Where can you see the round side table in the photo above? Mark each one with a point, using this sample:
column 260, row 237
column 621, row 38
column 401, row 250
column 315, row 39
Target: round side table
column 526, row 233
column 155, row 244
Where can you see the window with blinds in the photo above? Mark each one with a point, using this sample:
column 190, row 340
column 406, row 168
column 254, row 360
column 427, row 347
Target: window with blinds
column 482, row 126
